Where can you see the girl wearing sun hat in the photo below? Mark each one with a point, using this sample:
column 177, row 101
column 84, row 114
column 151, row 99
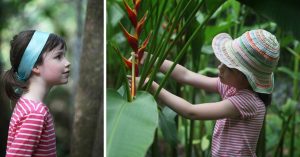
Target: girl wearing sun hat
column 253, row 56
column 245, row 84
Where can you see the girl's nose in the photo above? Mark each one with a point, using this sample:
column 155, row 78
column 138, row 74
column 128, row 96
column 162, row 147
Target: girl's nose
column 67, row 64
column 220, row 66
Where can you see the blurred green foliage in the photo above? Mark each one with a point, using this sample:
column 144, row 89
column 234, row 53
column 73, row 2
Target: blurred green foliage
column 282, row 121
column 59, row 17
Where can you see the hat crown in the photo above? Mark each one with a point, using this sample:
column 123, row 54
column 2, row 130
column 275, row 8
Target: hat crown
column 255, row 53
column 261, row 44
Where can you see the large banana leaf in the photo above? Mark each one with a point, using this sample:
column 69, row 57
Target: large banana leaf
column 168, row 125
column 130, row 125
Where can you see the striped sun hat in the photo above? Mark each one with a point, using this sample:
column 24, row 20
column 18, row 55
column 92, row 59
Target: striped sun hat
column 255, row 54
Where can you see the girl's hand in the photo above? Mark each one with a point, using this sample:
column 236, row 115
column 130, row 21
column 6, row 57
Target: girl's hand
column 143, row 58
column 137, row 80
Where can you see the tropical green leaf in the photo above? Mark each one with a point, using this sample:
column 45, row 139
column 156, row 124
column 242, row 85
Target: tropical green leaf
column 289, row 107
column 289, row 72
column 212, row 31
column 206, row 70
column 168, row 125
column 205, row 143
column 212, row 5
column 130, row 125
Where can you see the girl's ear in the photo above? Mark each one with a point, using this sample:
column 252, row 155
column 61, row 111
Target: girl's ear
column 36, row 69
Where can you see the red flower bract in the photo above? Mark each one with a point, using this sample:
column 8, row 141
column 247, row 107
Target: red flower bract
column 131, row 13
column 133, row 41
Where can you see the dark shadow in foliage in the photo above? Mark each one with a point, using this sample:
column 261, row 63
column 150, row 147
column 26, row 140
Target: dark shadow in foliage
column 7, row 9
column 5, row 114
column 284, row 13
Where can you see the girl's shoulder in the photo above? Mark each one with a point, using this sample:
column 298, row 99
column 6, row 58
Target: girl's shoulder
column 28, row 106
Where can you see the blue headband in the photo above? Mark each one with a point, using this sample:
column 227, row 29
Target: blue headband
column 31, row 54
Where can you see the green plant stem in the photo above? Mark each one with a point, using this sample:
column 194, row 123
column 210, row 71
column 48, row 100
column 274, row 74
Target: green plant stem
column 191, row 138
column 175, row 18
column 285, row 125
column 162, row 56
column 197, row 153
column 295, row 97
column 148, row 65
column 174, row 14
column 182, row 30
column 123, row 70
column 192, row 128
column 159, row 16
column 174, row 147
column 183, row 50
column 186, row 137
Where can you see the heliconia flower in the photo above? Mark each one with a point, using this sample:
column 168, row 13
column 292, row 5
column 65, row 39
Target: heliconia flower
column 131, row 13
column 141, row 24
column 137, row 4
column 128, row 64
column 132, row 40
column 143, row 47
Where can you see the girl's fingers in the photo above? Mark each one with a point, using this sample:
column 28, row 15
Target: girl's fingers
column 144, row 57
column 132, row 53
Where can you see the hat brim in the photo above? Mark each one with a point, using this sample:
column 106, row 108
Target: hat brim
column 218, row 45
column 224, row 55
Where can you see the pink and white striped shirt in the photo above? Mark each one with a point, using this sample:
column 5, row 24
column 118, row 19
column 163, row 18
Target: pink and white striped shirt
column 238, row 136
column 31, row 131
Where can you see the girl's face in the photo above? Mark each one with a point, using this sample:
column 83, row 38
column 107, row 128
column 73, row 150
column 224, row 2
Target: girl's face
column 55, row 68
column 232, row 77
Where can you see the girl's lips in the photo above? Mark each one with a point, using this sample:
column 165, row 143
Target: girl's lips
column 220, row 76
column 67, row 72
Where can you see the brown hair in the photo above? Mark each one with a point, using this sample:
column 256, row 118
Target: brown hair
column 266, row 98
column 18, row 45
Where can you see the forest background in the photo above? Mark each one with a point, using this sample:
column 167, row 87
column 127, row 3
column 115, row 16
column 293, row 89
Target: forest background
column 77, row 107
column 182, row 31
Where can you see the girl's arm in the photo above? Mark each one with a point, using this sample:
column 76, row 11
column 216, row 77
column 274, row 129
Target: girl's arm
column 28, row 137
column 211, row 111
column 185, row 76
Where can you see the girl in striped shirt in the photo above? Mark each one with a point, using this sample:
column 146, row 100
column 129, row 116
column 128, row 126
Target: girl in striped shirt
column 37, row 63
column 245, row 84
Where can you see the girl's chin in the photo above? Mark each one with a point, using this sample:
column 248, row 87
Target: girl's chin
column 221, row 78
column 61, row 82
column 223, row 81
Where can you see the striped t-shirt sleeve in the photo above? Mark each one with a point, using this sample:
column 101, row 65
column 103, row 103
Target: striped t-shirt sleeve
column 28, row 136
column 243, row 100
column 245, row 103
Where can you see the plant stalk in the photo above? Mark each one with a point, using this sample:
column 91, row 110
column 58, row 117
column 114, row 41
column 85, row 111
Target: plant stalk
column 182, row 52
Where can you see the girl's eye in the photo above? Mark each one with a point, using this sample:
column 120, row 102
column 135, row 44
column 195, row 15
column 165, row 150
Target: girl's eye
column 58, row 57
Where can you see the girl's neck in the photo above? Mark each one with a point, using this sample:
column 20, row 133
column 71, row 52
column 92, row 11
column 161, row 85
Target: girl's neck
column 37, row 90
